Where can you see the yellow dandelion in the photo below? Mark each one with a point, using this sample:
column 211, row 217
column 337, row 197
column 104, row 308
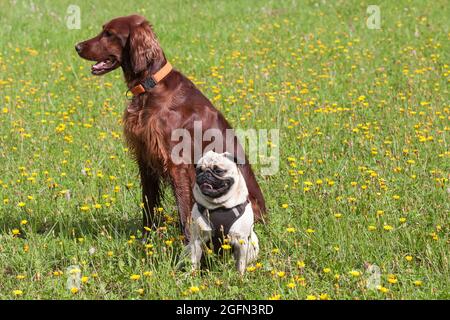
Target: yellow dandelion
column 251, row 268
column 194, row 289
column 324, row 296
column 226, row 247
column 75, row 271
column 383, row 289
column 355, row 273
column 392, row 279
column 135, row 277
column 291, row 285
column 74, row 290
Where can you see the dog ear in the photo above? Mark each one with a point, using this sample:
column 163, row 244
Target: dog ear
column 229, row 156
column 239, row 160
column 143, row 46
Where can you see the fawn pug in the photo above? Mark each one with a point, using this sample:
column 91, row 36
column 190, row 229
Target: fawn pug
column 222, row 214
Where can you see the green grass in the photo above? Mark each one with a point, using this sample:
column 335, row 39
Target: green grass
column 363, row 118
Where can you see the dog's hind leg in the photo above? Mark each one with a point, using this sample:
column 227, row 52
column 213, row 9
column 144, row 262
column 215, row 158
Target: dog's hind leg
column 182, row 182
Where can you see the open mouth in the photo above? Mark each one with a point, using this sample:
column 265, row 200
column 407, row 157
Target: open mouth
column 206, row 187
column 212, row 190
column 104, row 66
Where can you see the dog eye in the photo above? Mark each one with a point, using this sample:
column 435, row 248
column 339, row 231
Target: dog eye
column 107, row 33
column 216, row 169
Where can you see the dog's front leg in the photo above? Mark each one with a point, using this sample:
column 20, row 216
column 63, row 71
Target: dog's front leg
column 195, row 249
column 240, row 252
column 245, row 251
column 150, row 182
column 253, row 248
column 201, row 232
column 240, row 249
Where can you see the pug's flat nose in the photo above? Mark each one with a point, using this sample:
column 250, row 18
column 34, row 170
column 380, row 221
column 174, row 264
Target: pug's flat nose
column 79, row 47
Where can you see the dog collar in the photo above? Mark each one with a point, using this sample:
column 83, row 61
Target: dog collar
column 151, row 82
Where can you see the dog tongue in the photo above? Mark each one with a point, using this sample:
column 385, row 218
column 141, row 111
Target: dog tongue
column 206, row 186
column 99, row 66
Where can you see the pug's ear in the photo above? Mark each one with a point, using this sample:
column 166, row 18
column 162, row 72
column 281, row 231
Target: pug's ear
column 229, row 156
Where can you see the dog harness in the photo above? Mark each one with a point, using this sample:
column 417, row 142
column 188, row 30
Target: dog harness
column 151, row 82
column 221, row 219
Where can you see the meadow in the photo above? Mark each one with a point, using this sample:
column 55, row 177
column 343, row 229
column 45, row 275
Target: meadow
column 363, row 182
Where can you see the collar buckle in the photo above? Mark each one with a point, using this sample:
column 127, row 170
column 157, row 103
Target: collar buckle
column 149, row 83
column 152, row 81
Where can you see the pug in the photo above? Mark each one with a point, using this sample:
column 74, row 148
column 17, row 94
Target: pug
column 222, row 214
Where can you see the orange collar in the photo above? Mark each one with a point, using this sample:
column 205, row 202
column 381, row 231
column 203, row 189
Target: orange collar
column 153, row 80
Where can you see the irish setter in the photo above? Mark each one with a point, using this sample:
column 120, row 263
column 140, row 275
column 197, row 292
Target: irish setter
column 158, row 107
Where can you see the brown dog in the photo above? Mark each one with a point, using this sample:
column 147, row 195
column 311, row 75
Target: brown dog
column 163, row 100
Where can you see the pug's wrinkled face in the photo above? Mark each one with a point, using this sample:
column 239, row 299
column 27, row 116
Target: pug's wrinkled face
column 215, row 174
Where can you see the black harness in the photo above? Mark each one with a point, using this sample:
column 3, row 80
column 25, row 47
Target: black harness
column 221, row 219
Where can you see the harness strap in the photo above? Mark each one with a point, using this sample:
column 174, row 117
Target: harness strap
column 221, row 219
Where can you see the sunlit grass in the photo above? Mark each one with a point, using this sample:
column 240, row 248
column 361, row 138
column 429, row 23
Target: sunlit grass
column 364, row 155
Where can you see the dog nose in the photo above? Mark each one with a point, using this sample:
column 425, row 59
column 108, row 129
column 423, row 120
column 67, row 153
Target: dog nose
column 79, row 47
